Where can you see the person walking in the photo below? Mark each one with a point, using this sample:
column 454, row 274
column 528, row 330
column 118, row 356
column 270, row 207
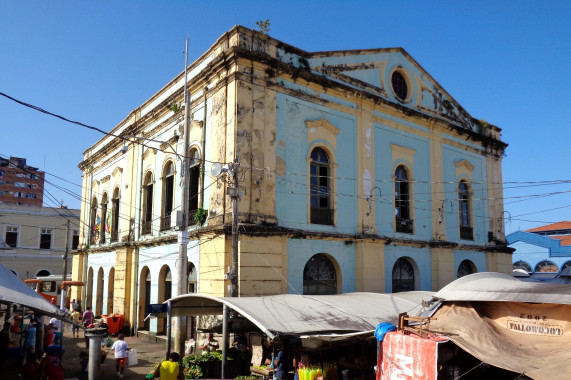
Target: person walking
column 169, row 369
column 120, row 349
column 76, row 317
column 56, row 327
column 88, row 317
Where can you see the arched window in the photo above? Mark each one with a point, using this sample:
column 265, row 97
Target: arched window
column 194, row 185
column 522, row 265
column 403, row 222
column 94, row 228
column 192, row 278
column 43, row 272
column 147, row 222
column 320, row 188
column 465, row 221
column 103, row 220
column 546, row 266
column 403, row 276
column 168, row 196
column 465, row 268
column 319, row 276
column 115, row 216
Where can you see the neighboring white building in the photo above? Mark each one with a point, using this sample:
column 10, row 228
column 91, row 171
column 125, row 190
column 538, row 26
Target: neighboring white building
column 33, row 239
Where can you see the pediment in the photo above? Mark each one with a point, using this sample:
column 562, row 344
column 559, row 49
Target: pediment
column 322, row 129
column 149, row 151
column 371, row 71
column 117, row 170
column 464, row 164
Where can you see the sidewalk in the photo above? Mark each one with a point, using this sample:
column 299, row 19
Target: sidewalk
column 149, row 354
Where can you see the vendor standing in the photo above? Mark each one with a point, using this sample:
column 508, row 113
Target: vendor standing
column 282, row 362
column 209, row 344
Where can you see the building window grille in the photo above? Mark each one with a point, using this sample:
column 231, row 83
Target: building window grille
column 466, row 229
column 320, row 188
column 147, row 222
column 319, row 276
column 194, row 185
column 403, row 221
column 168, row 197
column 115, row 216
column 403, row 276
column 400, row 87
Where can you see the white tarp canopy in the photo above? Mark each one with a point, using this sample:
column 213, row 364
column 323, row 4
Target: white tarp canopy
column 523, row 327
column 333, row 316
column 14, row 290
column 491, row 286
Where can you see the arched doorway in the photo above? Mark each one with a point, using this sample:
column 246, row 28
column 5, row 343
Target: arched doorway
column 165, row 292
column 110, row 290
column 319, row 276
column 144, row 297
column 89, row 295
column 403, row 276
column 99, row 296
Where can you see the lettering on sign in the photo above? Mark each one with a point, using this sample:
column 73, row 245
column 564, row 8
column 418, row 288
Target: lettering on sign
column 532, row 324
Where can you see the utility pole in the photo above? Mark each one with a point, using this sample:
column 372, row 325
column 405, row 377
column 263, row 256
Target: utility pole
column 63, row 277
column 180, row 322
column 233, row 192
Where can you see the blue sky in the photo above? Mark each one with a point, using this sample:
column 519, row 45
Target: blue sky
column 94, row 61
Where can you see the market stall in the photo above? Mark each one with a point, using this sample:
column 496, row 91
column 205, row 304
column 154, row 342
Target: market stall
column 332, row 333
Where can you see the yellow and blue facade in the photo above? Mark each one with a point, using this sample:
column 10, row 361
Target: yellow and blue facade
column 357, row 172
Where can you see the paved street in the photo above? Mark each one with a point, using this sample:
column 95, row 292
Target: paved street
column 149, row 354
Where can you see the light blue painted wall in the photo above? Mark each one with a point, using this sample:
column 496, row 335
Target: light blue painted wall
column 477, row 258
column 450, row 156
column 301, row 250
column 419, row 257
column 292, row 189
column 384, row 172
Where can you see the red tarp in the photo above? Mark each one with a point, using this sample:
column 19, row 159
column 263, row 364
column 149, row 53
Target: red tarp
column 408, row 357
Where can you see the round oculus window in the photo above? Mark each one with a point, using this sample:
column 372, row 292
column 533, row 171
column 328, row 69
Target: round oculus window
column 400, row 88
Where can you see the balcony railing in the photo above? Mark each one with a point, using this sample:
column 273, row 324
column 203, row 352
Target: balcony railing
column 404, row 225
column 466, row 233
column 321, row 215
column 166, row 222
column 114, row 236
column 146, row 227
column 191, row 214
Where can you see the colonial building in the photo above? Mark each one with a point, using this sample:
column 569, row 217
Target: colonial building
column 20, row 183
column 355, row 171
column 542, row 252
column 33, row 239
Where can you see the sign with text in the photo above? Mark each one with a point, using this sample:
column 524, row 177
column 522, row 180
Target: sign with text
column 157, row 308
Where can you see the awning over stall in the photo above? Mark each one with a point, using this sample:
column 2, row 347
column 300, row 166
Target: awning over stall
column 13, row 290
column 329, row 317
column 519, row 326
